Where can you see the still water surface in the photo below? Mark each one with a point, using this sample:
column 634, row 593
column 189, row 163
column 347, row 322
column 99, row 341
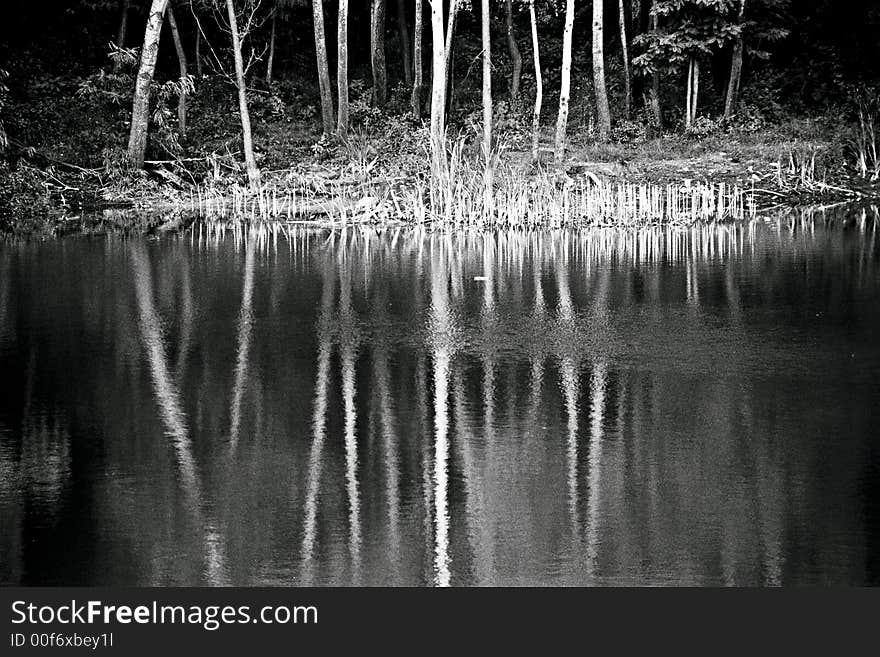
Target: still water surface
column 665, row 406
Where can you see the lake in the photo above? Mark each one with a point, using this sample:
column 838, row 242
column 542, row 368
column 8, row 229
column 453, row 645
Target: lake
column 291, row 406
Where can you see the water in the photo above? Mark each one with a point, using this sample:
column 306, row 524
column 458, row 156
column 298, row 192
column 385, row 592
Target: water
column 287, row 407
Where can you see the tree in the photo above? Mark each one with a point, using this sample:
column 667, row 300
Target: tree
column 270, row 64
column 438, row 88
column 140, row 113
column 181, row 62
column 342, row 69
column 253, row 173
column 603, row 113
column 403, row 28
column 377, row 52
column 418, row 82
column 565, row 84
column 691, row 31
column 539, row 83
column 487, row 80
column 515, row 56
column 123, row 24
column 627, row 72
column 323, row 67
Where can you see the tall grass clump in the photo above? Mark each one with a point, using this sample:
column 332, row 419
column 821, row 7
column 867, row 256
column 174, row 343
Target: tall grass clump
column 863, row 142
column 463, row 189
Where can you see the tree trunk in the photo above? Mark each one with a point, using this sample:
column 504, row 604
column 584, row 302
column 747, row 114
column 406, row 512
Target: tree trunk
column 654, row 93
column 627, row 70
column 377, row 52
column 123, row 24
column 140, row 113
column 603, row 113
column 487, row 106
column 199, row 51
column 253, row 173
column 181, row 62
column 270, row 64
column 515, row 56
column 403, row 28
column 327, row 117
column 539, row 83
column 438, row 89
column 730, row 103
column 342, row 69
column 449, row 72
column 565, row 85
column 693, row 91
column 418, row 81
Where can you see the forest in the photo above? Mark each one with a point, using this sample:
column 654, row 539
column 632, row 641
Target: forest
column 426, row 108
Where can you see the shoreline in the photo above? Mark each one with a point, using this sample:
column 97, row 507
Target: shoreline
column 342, row 191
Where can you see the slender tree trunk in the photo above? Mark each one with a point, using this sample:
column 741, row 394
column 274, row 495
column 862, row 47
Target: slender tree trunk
column 730, row 103
column 271, row 63
column 123, row 24
column 342, row 69
column 403, row 28
column 565, row 85
column 487, row 79
column 140, row 113
column 253, row 173
column 539, row 83
column 181, row 62
column 438, row 88
column 515, row 56
column 603, row 113
column 689, row 94
column 199, row 52
column 418, row 81
column 487, row 105
column 449, row 71
column 327, row 117
column 377, row 52
column 693, row 92
column 654, row 93
column 627, row 70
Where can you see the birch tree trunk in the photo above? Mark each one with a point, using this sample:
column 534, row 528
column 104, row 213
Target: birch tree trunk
column 403, row 28
column 487, row 107
column 539, row 83
column 418, row 73
column 270, row 64
column 448, row 71
column 603, row 113
column 377, row 52
column 181, row 63
column 693, row 92
column 627, row 69
column 342, row 69
column 253, row 173
column 140, row 113
column 487, row 80
column 327, row 117
column 565, row 85
column 438, row 89
column 730, row 102
column 515, row 56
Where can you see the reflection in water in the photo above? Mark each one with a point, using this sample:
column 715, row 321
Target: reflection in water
column 173, row 418
column 667, row 405
column 441, row 324
column 245, row 325
column 319, row 423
